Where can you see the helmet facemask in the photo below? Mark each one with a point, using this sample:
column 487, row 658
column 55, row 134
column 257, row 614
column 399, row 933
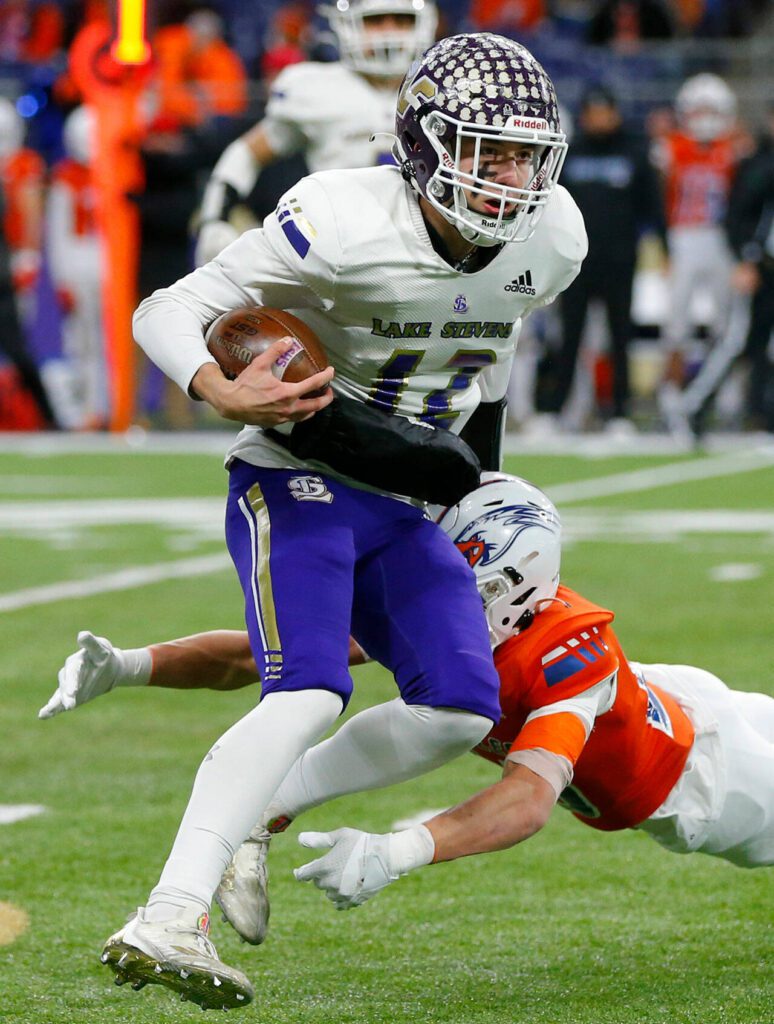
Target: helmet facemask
column 462, row 95
column 517, row 209
column 381, row 54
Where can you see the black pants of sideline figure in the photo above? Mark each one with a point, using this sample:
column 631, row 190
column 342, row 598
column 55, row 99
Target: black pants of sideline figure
column 12, row 343
column 761, row 394
column 612, row 283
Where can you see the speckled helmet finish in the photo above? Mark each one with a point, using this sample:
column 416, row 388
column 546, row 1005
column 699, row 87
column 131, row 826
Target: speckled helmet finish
column 481, row 87
column 386, row 53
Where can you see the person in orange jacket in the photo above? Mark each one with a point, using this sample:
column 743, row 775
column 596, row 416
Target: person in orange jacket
column 198, row 75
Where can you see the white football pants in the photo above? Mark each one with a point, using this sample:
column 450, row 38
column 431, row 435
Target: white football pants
column 723, row 803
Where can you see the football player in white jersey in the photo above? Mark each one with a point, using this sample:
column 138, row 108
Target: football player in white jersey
column 338, row 114
column 416, row 278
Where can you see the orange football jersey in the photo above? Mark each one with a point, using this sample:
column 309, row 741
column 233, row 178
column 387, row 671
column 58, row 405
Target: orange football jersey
column 24, row 169
column 637, row 749
column 698, row 179
column 79, row 180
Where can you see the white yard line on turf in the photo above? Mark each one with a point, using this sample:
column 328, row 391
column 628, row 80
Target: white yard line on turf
column 660, row 476
column 196, row 512
column 173, row 512
column 123, row 579
column 11, row 813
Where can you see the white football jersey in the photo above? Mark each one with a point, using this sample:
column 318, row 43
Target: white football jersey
column 329, row 113
column 349, row 253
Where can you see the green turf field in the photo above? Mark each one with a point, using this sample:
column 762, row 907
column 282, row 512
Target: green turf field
column 574, row 927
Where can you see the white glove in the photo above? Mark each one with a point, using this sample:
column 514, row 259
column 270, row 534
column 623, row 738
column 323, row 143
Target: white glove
column 213, row 238
column 93, row 670
column 360, row 864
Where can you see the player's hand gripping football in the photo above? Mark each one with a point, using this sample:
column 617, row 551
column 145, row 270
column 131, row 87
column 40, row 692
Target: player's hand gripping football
column 257, row 397
column 356, row 867
column 91, row 671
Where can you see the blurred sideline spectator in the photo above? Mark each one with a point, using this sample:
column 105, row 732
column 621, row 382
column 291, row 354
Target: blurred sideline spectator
column 285, row 41
column 608, row 173
column 750, row 226
column 510, row 17
column 19, row 233
column 29, row 31
column 624, row 24
column 198, row 76
column 697, row 162
column 76, row 259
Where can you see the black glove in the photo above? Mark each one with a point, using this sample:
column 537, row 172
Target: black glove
column 386, row 451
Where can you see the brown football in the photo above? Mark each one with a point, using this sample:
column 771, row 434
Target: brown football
column 239, row 335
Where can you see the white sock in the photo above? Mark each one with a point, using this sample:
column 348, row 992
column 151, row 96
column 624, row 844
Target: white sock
column 233, row 785
column 377, row 747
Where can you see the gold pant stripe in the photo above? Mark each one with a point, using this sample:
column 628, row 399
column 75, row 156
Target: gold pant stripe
column 263, row 569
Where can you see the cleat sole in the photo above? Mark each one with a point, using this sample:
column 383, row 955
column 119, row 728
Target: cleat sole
column 194, row 984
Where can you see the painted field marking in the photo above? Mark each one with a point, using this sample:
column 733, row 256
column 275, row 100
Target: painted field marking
column 660, row 476
column 735, row 572
column 196, row 512
column 10, row 813
column 122, row 579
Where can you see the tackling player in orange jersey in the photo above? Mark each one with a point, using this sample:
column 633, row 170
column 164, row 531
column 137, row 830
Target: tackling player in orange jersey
column 665, row 748
column 624, row 769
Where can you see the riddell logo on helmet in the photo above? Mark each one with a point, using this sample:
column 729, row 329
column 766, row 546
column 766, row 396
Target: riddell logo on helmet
column 537, row 124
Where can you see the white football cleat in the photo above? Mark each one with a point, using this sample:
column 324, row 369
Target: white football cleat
column 177, row 954
column 243, row 893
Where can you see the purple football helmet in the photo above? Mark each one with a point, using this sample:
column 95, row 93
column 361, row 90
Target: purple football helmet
column 482, row 87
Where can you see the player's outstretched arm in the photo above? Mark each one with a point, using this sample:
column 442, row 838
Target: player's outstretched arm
column 232, row 180
column 358, row 864
column 220, row 659
column 95, row 668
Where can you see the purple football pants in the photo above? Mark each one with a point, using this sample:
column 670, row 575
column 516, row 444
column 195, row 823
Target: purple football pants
column 318, row 559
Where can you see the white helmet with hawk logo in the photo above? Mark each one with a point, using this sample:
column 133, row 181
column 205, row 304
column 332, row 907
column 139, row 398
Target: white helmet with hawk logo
column 511, row 536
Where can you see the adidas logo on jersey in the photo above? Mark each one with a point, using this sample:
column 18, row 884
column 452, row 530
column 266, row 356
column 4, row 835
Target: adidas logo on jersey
column 522, row 284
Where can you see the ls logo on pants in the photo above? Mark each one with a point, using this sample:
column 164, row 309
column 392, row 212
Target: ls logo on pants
column 309, row 488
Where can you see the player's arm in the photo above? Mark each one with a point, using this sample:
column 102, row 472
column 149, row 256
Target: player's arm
column 507, row 813
column 539, row 766
column 231, row 182
column 259, row 268
column 217, row 660
column 358, row 864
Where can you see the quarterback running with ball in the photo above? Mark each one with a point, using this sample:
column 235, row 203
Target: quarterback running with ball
column 409, row 275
